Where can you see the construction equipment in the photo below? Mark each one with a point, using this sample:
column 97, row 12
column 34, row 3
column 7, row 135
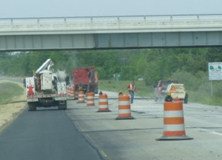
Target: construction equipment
column 46, row 88
column 164, row 86
column 85, row 79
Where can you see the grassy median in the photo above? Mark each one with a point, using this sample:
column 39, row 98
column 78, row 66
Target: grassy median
column 9, row 90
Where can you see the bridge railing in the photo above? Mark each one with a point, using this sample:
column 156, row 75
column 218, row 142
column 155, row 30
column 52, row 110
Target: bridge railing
column 100, row 24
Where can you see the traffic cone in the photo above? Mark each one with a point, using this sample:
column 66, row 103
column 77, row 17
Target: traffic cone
column 174, row 128
column 103, row 103
column 90, row 99
column 70, row 92
column 81, row 97
column 124, row 107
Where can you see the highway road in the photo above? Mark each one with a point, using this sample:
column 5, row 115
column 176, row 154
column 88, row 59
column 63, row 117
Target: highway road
column 47, row 134
column 82, row 133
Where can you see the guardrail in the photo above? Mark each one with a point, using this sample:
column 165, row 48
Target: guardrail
column 111, row 23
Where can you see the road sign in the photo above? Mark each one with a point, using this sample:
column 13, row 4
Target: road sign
column 215, row 70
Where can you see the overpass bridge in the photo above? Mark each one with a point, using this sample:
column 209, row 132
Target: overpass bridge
column 18, row 34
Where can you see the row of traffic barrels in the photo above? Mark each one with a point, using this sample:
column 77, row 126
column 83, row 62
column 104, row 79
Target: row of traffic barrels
column 174, row 127
column 123, row 103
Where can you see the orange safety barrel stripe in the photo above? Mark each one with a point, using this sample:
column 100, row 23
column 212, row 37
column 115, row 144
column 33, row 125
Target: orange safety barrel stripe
column 124, row 98
column 103, row 109
column 124, row 106
column 103, row 103
column 174, row 120
column 173, row 106
column 174, row 133
column 125, row 114
column 103, row 96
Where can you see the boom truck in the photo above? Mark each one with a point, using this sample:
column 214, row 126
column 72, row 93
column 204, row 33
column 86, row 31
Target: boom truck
column 46, row 88
column 86, row 79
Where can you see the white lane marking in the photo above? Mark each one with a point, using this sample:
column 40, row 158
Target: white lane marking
column 210, row 131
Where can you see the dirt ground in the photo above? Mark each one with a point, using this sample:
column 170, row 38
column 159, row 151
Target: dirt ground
column 8, row 112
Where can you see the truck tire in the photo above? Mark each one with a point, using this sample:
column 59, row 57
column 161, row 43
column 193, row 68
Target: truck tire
column 32, row 106
column 186, row 99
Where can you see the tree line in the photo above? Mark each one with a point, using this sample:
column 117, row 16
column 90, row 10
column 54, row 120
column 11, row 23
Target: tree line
column 130, row 64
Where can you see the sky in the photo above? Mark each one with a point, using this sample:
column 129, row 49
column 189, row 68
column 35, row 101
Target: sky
column 82, row 8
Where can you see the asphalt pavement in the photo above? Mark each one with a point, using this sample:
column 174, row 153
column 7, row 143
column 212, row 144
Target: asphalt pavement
column 45, row 134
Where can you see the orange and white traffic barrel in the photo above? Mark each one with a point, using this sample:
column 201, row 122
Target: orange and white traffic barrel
column 174, row 127
column 124, row 107
column 81, row 97
column 90, row 99
column 70, row 92
column 103, row 103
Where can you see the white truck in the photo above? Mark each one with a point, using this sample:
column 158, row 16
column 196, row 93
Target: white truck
column 177, row 90
column 46, row 88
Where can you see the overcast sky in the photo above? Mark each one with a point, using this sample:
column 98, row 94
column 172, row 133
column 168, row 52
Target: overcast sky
column 73, row 8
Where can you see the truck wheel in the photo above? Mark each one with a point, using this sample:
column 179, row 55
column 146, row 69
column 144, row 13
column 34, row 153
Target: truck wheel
column 186, row 99
column 32, row 106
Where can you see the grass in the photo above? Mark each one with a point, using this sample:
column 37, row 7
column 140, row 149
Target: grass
column 116, row 86
column 204, row 98
column 8, row 91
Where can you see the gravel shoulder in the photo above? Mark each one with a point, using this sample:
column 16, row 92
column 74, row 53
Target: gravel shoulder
column 9, row 111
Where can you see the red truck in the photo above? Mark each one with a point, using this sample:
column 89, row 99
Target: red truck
column 86, row 79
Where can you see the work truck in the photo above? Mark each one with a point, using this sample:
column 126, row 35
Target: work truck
column 177, row 90
column 85, row 79
column 46, row 88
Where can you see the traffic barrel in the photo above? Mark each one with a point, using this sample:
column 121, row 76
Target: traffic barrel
column 70, row 92
column 81, row 97
column 103, row 103
column 90, row 99
column 124, row 107
column 174, row 127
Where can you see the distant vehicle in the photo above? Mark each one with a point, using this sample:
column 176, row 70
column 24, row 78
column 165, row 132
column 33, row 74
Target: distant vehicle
column 141, row 79
column 86, row 78
column 177, row 90
column 46, row 88
column 160, row 90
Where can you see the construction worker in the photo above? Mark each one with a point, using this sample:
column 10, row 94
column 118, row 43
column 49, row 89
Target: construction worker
column 100, row 93
column 131, row 88
column 168, row 98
